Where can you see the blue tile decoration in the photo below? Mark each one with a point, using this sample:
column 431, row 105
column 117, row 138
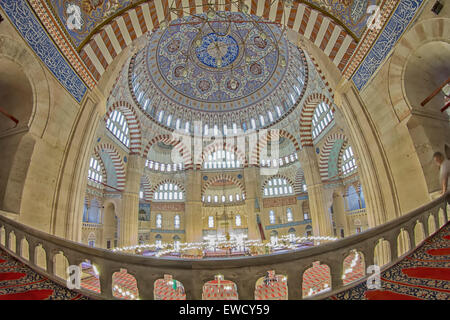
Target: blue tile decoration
column 167, row 231
column 396, row 26
column 28, row 25
column 287, row 225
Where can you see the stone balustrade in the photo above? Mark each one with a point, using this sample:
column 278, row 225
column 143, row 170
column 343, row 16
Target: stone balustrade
column 22, row 241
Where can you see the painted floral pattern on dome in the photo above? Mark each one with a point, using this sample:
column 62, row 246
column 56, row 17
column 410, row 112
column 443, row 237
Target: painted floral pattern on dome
column 217, row 51
column 177, row 78
column 215, row 58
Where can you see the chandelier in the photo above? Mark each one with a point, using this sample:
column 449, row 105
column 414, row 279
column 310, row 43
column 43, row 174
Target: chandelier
column 221, row 38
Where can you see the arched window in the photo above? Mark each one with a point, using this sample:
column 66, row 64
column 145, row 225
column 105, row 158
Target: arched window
column 237, row 220
column 161, row 116
column 158, row 221
column 210, row 222
column 94, row 172
column 272, row 217
column 278, row 187
column 348, row 164
column 274, row 238
column 323, row 115
column 158, row 241
column 221, row 159
column 289, row 215
column 291, row 234
column 176, row 222
column 176, row 243
column 164, row 167
column 117, row 125
column 168, row 192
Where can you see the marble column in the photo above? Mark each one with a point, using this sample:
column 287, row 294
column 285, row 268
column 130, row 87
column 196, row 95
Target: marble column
column 319, row 214
column 128, row 223
column 253, row 201
column 340, row 214
column 193, row 206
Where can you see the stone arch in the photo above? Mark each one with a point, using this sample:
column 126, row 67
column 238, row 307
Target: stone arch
column 133, row 122
column 180, row 185
column 60, row 264
column 353, row 267
column 25, row 97
column 40, row 257
column 18, row 53
column 146, row 187
column 178, row 145
column 98, row 52
column 264, row 137
column 231, row 147
column 299, row 181
column 306, row 116
column 24, row 249
column 116, row 160
column 175, row 292
column 419, row 233
column 263, row 185
column 97, row 157
column 210, row 292
column 326, row 151
column 421, row 33
column 271, row 287
column 382, row 252
column 12, row 241
column 316, row 279
column 418, row 66
column 224, row 176
column 403, row 242
column 124, row 285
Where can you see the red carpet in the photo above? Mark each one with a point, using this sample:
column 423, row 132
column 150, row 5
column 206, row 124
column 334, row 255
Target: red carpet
column 11, row 276
column 423, row 274
column 387, row 295
column 428, row 273
column 19, row 282
column 37, row 294
column 439, row 252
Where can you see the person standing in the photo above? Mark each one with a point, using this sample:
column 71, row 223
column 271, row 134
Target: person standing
column 444, row 170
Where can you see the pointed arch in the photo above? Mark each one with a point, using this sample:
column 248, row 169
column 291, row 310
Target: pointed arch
column 231, row 147
column 146, row 188
column 272, row 134
column 133, row 122
column 299, row 181
column 116, row 160
column 325, row 153
column 178, row 145
column 224, row 177
column 153, row 189
column 306, row 116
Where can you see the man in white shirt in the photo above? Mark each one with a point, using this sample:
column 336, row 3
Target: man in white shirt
column 444, row 172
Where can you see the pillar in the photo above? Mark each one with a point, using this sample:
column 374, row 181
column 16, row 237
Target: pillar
column 128, row 223
column 374, row 170
column 340, row 214
column 193, row 206
column 252, row 179
column 319, row 214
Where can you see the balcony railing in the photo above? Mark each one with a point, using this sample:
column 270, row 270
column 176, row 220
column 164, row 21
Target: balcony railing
column 243, row 271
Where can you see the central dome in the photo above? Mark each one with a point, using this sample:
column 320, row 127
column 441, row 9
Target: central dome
column 229, row 64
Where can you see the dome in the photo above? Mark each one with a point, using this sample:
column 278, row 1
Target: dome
column 226, row 74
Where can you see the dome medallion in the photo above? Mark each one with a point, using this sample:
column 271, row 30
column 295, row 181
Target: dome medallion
column 226, row 68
